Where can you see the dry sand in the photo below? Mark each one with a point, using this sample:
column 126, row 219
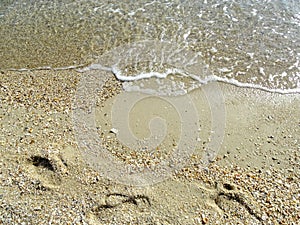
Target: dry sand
column 44, row 179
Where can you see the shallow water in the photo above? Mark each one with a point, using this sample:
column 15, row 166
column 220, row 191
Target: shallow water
column 247, row 43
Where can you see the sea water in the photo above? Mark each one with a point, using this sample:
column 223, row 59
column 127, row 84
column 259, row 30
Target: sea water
column 249, row 43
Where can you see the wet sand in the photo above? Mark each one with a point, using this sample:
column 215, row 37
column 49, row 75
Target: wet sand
column 44, row 178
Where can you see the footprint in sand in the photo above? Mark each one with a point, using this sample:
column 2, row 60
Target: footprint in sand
column 46, row 170
column 225, row 193
column 115, row 202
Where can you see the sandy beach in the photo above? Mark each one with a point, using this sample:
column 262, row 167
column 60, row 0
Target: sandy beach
column 206, row 159
column 44, row 179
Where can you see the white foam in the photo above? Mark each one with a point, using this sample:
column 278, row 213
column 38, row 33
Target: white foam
column 117, row 72
column 202, row 81
column 212, row 78
column 255, row 86
column 206, row 80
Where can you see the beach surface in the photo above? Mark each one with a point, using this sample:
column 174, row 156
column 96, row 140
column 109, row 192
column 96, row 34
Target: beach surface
column 45, row 179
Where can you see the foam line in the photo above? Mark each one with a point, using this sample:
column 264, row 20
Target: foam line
column 208, row 79
column 117, row 72
column 45, row 68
